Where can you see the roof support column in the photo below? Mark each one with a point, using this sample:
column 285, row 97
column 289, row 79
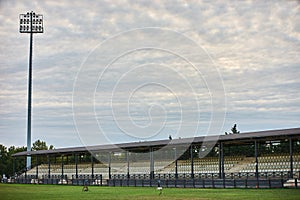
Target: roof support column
column 256, row 158
column 62, row 166
column 49, row 166
column 221, row 160
column 25, row 168
column 291, row 158
column 192, row 160
column 37, row 166
column 151, row 163
column 92, row 161
column 14, row 166
column 76, row 166
column 219, row 154
column 176, row 163
column 109, row 165
column 128, row 169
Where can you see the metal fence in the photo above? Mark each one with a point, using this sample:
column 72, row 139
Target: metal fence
column 201, row 183
column 208, row 180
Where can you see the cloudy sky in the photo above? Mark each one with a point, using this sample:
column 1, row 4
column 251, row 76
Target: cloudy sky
column 119, row 71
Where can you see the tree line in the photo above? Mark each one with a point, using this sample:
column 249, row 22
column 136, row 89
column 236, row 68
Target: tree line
column 7, row 163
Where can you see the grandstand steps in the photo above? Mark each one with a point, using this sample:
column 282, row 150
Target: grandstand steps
column 168, row 169
column 278, row 164
column 242, row 164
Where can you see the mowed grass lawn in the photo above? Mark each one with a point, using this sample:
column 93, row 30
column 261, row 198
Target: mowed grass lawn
column 64, row 192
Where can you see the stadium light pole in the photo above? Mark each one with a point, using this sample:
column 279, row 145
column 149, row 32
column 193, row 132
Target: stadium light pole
column 30, row 23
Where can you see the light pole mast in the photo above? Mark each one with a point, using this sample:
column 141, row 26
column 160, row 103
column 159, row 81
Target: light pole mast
column 30, row 23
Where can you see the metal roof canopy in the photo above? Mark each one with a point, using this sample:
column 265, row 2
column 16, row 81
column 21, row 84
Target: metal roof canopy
column 241, row 138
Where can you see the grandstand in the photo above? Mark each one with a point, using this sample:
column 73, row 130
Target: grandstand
column 255, row 159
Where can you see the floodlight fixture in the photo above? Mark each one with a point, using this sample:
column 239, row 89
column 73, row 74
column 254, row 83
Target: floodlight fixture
column 31, row 23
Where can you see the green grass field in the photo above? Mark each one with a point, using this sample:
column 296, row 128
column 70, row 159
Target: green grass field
column 38, row 192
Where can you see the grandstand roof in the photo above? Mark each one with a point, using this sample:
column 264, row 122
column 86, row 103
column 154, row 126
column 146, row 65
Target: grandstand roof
column 269, row 135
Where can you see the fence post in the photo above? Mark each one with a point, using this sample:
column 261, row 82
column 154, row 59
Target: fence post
column 174, row 184
column 101, row 179
column 193, row 183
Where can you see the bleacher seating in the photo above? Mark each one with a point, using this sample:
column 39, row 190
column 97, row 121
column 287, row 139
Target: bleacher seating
column 274, row 163
column 232, row 164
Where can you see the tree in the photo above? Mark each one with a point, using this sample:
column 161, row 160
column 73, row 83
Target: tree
column 17, row 162
column 233, row 130
column 8, row 163
column 3, row 159
column 39, row 145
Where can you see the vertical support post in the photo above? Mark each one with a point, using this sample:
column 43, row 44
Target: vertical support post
column 37, row 166
column 256, row 158
column 49, row 165
column 62, row 166
column 176, row 163
column 192, row 161
column 28, row 163
column 14, row 167
column 128, row 169
column 151, row 163
column 76, row 166
column 25, row 168
column 92, row 161
column 109, row 165
column 291, row 158
column 220, row 162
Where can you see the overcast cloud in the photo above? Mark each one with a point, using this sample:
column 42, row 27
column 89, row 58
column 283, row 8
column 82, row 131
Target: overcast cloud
column 119, row 71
